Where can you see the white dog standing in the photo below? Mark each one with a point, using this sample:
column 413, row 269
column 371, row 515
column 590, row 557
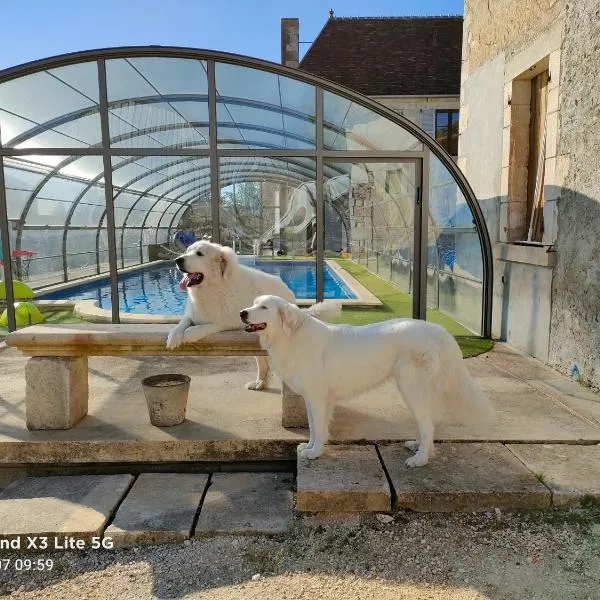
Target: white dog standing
column 327, row 363
column 218, row 288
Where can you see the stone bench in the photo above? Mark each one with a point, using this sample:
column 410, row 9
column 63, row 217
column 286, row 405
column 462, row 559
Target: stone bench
column 56, row 375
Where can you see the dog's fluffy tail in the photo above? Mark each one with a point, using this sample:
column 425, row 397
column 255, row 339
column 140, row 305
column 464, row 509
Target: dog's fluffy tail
column 476, row 407
column 461, row 400
column 469, row 404
column 325, row 311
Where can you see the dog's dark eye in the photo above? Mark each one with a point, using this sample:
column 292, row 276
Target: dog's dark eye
column 264, row 307
column 199, row 253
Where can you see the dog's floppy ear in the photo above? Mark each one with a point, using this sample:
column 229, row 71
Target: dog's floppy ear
column 291, row 317
column 227, row 261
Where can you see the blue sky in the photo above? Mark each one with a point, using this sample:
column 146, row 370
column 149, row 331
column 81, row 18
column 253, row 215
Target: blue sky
column 33, row 29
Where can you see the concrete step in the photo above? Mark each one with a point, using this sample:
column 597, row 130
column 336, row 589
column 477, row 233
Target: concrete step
column 464, row 478
column 346, row 478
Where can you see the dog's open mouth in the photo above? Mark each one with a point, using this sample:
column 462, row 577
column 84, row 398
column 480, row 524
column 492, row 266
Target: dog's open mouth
column 189, row 280
column 252, row 327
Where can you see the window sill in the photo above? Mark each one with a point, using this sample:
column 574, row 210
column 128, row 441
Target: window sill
column 529, row 255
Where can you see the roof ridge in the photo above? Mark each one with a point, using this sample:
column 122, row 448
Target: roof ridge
column 404, row 17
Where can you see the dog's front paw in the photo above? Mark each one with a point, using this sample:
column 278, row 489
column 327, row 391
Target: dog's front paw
column 418, row 460
column 175, row 338
column 258, row 384
column 309, row 452
column 301, row 448
column 412, row 445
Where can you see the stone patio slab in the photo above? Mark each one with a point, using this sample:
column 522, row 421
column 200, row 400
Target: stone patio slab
column 160, row 507
column 464, row 478
column 247, row 503
column 58, row 506
column 344, row 479
column 226, row 422
column 572, row 472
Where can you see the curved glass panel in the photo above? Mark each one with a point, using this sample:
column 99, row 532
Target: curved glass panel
column 350, row 126
column 67, row 117
column 257, row 109
column 157, row 102
column 454, row 259
column 268, row 204
column 51, row 210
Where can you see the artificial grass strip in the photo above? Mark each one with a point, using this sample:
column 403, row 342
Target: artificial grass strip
column 399, row 304
column 63, row 316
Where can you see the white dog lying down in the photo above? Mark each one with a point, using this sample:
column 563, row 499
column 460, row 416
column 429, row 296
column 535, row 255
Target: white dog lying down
column 328, row 363
column 218, row 288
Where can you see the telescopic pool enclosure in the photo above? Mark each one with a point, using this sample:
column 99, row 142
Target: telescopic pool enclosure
column 106, row 156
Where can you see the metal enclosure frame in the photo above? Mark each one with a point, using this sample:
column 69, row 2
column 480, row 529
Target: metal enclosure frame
column 215, row 154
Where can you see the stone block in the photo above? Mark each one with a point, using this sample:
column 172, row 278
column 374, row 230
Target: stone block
column 506, row 147
column 572, row 472
column 507, row 116
column 247, row 503
column 293, row 409
column 553, row 100
column 517, row 183
column 59, row 506
column 464, row 478
column 344, row 479
column 519, row 146
column 520, row 92
column 504, row 182
column 551, row 134
column 520, row 114
column 554, row 69
column 56, row 391
column 160, row 507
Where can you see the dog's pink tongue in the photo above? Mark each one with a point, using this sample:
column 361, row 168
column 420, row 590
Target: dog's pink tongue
column 183, row 283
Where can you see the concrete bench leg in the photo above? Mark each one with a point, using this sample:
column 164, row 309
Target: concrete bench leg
column 57, row 391
column 293, row 413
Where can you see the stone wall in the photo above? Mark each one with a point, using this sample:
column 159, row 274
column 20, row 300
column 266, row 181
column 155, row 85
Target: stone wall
column 575, row 330
column 493, row 27
column 552, row 312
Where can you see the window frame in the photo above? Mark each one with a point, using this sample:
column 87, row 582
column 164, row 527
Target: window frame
column 445, row 142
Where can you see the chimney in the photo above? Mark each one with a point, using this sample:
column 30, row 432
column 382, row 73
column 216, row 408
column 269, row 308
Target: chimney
column 290, row 42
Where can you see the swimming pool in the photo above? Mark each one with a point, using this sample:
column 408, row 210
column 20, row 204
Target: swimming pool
column 155, row 290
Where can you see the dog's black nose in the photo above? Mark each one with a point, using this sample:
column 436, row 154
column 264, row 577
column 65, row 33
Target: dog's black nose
column 243, row 315
column 179, row 261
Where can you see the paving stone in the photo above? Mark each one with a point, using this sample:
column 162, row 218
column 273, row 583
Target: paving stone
column 160, row 507
column 58, row 506
column 464, row 478
column 572, row 472
column 247, row 503
column 344, row 479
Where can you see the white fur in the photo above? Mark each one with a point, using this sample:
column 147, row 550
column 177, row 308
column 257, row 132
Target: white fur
column 329, row 363
column 215, row 304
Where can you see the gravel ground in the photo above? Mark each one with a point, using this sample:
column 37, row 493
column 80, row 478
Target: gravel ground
column 548, row 555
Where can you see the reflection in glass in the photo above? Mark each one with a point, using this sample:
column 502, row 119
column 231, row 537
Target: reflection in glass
column 54, row 215
column 67, row 117
column 256, row 109
column 157, row 103
column 454, row 264
column 370, row 218
column 349, row 126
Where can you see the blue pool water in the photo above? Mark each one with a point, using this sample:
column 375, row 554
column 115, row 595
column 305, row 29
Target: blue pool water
column 155, row 291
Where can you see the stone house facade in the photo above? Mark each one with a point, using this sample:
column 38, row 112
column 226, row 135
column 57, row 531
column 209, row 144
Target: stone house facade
column 529, row 145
